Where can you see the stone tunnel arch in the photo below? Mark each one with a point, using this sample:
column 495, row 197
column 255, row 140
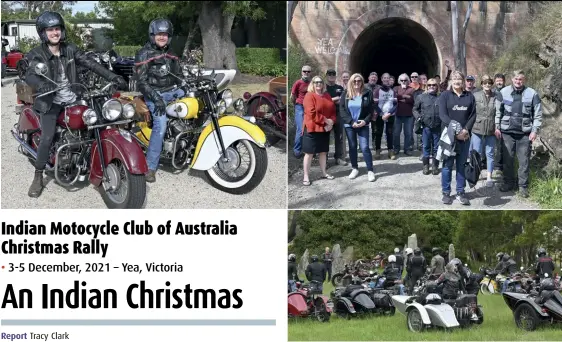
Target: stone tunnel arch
column 395, row 45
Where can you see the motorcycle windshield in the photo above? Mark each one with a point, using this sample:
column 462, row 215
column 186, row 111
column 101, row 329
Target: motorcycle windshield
column 222, row 77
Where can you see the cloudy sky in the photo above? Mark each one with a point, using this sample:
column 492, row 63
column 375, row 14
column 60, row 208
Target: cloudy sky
column 84, row 6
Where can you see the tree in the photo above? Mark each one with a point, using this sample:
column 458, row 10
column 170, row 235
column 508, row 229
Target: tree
column 459, row 43
column 291, row 6
column 34, row 8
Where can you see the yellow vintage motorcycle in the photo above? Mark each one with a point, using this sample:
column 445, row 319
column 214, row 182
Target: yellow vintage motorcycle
column 202, row 135
column 492, row 281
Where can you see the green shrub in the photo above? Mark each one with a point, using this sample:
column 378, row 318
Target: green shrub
column 296, row 58
column 127, row 50
column 27, row 43
column 260, row 61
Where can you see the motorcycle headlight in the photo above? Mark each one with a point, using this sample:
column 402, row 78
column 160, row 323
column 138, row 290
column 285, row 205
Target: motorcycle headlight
column 239, row 105
column 221, row 107
column 128, row 111
column 185, row 70
column 89, row 117
column 227, row 97
column 194, row 70
column 113, row 59
column 111, row 110
column 105, row 57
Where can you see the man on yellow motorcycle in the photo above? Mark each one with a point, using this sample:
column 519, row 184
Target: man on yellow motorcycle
column 153, row 63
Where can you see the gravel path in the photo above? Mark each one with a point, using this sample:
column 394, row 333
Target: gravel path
column 399, row 184
column 187, row 190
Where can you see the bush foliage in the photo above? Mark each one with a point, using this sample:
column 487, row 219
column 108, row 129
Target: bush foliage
column 260, row 61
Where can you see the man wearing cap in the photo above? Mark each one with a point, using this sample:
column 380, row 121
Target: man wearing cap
column 470, row 81
column 518, row 121
column 298, row 91
column 335, row 91
column 373, row 78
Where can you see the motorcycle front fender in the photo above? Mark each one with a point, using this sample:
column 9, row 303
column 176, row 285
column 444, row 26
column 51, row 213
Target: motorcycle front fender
column 117, row 144
column 233, row 128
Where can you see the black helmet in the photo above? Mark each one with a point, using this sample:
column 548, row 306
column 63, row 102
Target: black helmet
column 505, row 257
column 314, row 258
column 499, row 255
column 49, row 19
column 435, row 250
column 417, row 251
column 541, row 251
column 159, row 26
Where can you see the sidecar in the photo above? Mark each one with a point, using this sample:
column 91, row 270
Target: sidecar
column 425, row 311
column 352, row 302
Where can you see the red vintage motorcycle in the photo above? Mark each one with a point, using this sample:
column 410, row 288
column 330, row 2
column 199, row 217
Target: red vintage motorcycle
column 269, row 110
column 308, row 302
column 87, row 142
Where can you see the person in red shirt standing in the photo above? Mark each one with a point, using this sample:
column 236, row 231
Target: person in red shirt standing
column 404, row 115
column 298, row 92
column 319, row 119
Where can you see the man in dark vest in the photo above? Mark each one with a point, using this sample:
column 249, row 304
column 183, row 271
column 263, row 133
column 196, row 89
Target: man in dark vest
column 544, row 264
column 416, row 268
column 518, row 121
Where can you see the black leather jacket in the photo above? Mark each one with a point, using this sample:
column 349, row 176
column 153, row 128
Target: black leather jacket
column 147, row 61
column 71, row 56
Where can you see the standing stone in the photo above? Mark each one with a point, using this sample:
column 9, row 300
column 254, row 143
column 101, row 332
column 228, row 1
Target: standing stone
column 348, row 255
column 337, row 259
column 405, row 256
column 303, row 264
column 413, row 241
column 451, row 252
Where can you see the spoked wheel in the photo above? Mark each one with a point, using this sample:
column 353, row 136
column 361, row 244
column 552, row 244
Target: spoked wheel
column 261, row 109
column 320, row 311
column 124, row 190
column 244, row 170
column 337, row 279
column 391, row 311
column 526, row 317
column 414, row 321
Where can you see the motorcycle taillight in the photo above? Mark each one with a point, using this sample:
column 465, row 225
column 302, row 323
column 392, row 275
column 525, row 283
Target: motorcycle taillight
column 247, row 96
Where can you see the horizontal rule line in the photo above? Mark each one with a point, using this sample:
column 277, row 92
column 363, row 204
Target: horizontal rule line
column 136, row 322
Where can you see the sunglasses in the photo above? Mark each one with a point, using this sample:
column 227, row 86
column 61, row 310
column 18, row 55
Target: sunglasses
column 413, row 76
column 306, row 71
column 357, row 81
column 488, row 83
column 318, row 82
column 432, row 85
column 331, row 74
column 403, row 80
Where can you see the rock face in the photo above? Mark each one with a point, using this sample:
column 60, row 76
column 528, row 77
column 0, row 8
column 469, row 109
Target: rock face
column 303, row 264
column 550, row 89
column 451, row 252
column 412, row 241
column 348, row 255
column 340, row 34
column 337, row 261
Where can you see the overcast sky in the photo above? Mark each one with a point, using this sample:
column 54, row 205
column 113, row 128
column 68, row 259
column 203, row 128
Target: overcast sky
column 84, row 6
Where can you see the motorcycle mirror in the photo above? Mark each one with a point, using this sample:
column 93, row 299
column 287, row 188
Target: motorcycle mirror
column 41, row 68
column 546, row 275
column 522, row 268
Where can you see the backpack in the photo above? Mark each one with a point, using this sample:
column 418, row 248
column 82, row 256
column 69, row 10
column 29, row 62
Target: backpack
column 472, row 168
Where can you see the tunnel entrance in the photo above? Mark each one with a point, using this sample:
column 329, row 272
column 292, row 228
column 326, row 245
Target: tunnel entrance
column 396, row 46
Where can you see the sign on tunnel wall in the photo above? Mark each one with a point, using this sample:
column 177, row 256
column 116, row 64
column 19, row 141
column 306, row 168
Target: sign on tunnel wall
column 329, row 46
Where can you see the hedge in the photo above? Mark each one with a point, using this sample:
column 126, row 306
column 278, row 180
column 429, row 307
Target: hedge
column 254, row 61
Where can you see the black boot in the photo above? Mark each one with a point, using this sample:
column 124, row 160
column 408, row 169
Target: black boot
column 151, row 176
column 425, row 161
column 435, row 166
column 36, row 187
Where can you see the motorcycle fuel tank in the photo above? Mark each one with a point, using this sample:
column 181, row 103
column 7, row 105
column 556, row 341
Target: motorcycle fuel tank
column 186, row 108
column 72, row 117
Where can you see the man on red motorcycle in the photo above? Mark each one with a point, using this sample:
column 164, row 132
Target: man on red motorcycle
column 156, row 86
column 61, row 59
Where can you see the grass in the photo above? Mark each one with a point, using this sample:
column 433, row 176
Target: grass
column 498, row 326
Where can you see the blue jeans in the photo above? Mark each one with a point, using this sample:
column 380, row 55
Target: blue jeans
column 159, row 128
column 430, row 138
column 461, row 149
column 504, row 285
column 477, row 142
column 408, row 123
column 293, row 285
column 299, row 118
column 363, row 135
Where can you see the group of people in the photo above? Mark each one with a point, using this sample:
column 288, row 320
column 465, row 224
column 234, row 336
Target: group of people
column 452, row 274
column 64, row 57
column 452, row 117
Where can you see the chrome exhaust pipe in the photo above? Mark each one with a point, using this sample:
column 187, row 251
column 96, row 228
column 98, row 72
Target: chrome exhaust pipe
column 23, row 144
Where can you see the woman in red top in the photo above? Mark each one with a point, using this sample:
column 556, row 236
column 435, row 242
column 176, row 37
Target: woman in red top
column 319, row 119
